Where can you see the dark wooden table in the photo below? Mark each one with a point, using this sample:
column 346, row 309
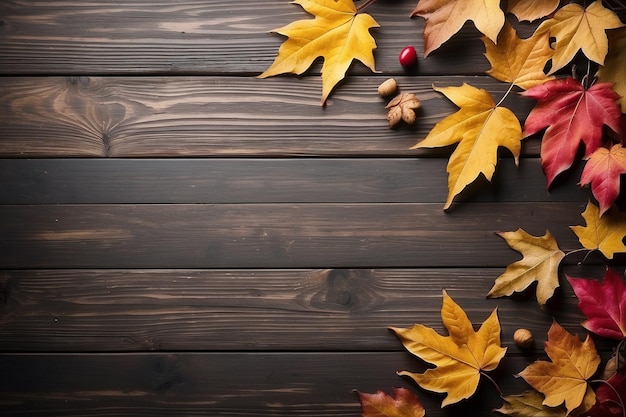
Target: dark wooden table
column 180, row 238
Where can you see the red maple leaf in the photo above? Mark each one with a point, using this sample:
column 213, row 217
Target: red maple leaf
column 608, row 404
column 570, row 114
column 603, row 171
column 604, row 304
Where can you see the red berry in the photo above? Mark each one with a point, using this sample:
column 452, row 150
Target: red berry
column 408, row 57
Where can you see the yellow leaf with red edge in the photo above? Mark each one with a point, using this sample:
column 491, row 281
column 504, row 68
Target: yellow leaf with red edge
column 403, row 403
column 604, row 233
column 564, row 379
column 531, row 9
column 480, row 128
column 613, row 70
column 576, row 28
column 444, row 18
column 540, row 264
column 603, row 171
column 459, row 357
column 518, row 61
column 339, row 33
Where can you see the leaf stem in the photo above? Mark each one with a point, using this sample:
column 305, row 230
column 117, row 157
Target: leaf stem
column 577, row 251
column 493, row 382
column 364, row 5
column 505, row 95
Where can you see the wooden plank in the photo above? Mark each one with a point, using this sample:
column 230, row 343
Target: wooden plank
column 219, row 116
column 231, row 310
column 194, row 36
column 274, row 235
column 280, row 180
column 225, row 384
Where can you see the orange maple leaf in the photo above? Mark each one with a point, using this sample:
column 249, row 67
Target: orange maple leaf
column 339, row 33
column 603, row 170
column 605, row 233
column 531, row 9
column 403, row 403
column 576, row 28
column 564, row 380
column 480, row 127
column 444, row 18
column 460, row 357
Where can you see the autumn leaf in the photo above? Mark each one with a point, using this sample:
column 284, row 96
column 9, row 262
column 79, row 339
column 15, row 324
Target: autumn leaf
column 608, row 404
column 402, row 107
column 604, row 304
column 576, row 28
column 570, row 115
column 480, row 127
column 459, row 358
column 444, row 18
column 518, row 61
column 564, row 380
column 540, row 263
column 603, row 171
column 528, row 404
column 338, row 33
column 613, row 69
column 604, row 233
column 403, row 403
column 531, row 9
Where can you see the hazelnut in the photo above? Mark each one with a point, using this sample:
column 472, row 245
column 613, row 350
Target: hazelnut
column 523, row 338
column 388, row 88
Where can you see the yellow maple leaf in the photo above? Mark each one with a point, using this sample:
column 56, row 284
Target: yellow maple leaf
column 564, row 380
column 460, row 357
column 531, row 9
column 613, row 69
column 339, row 33
column 480, row 127
column 444, row 18
column 576, row 28
column 540, row 263
column 604, row 233
column 518, row 61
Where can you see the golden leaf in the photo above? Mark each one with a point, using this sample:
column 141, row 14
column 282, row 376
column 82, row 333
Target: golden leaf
column 613, row 69
column 480, row 127
column 402, row 107
column 576, row 28
column 444, row 18
column 531, row 9
column 540, row 263
column 338, row 33
column 564, row 380
column 459, row 357
column 529, row 404
column 518, row 61
column 604, row 233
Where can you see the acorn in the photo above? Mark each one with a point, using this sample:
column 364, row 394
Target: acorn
column 388, row 88
column 523, row 338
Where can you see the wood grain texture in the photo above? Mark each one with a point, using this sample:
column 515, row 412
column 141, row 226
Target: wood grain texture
column 218, row 116
column 274, row 235
column 234, row 310
column 192, row 36
column 265, row 180
column 225, row 384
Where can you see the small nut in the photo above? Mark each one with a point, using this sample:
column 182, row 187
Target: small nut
column 388, row 88
column 523, row 338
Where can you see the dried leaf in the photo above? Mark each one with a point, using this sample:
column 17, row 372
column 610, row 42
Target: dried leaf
column 338, row 33
column 403, row 403
column 564, row 380
column 481, row 128
column 518, row 61
column 576, row 28
column 444, row 18
column 459, row 357
column 604, row 233
column 604, row 304
column 402, row 107
column 542, row 257
column 531, row 9
column 613, row 69
column 529, row 404
column 603, row 171
column 571, row 115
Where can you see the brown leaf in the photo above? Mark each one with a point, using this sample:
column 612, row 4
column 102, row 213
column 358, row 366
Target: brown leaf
column 402, row 107
column 403, row 403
